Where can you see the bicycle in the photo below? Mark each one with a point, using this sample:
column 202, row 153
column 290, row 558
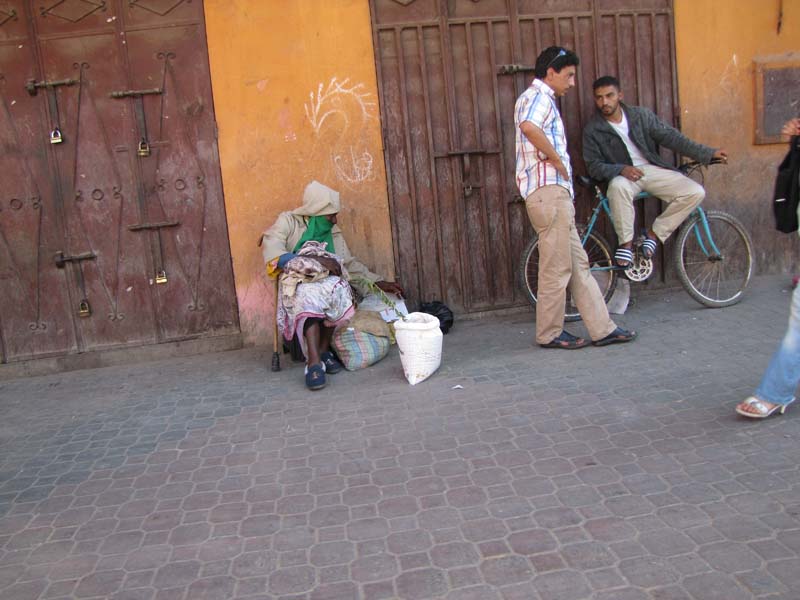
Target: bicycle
column 713, row 255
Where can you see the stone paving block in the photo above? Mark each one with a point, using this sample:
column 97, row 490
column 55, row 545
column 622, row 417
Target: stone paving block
column 547, row 476
column 421, row 584
column 714, row 586
column 787, row 572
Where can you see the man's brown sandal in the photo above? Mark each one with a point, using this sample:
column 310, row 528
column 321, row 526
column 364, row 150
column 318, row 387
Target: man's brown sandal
column 618, row 336
column 567, row 341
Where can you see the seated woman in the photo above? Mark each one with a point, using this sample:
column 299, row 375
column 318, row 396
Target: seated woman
column 315, row 297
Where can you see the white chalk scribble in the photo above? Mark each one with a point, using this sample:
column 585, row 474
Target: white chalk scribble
column 352, row 107
column 330, row 100
column 356, row 168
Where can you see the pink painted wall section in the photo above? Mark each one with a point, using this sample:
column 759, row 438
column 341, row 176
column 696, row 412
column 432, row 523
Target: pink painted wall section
column 716, row 43
column 296, row 99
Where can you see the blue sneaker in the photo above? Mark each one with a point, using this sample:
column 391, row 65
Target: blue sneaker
column 315, row 377
column 332, row 364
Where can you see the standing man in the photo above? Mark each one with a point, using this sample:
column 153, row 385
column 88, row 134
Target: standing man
column 620, row 145
column 544, row 178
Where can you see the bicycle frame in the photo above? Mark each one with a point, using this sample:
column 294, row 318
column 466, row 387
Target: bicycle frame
column 603, row 206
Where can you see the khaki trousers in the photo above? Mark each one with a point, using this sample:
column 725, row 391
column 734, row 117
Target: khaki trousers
column 563, row 264
column 681, row 194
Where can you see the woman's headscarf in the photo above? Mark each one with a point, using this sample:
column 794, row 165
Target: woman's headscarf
column 318, row 202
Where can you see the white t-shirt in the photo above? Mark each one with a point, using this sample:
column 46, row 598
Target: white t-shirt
column 636, row 155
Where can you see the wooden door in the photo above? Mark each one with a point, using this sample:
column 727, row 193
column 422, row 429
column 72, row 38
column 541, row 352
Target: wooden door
column 120, row 236
column 449, row 74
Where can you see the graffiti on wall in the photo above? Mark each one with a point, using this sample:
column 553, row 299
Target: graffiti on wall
column 339, row 114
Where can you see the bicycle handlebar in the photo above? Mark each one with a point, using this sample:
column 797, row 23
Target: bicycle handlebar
column 693, row 164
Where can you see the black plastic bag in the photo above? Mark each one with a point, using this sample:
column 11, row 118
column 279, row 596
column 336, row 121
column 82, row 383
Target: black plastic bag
column 441, row 311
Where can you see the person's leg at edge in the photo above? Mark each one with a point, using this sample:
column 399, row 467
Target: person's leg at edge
column 779, row 383
column 681, row 195
column 549, row 214
column 586, row 292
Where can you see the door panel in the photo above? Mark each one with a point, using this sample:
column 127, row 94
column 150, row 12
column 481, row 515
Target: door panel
column 34, row 295
column 98, row 193
column 71, row 17
column 182, row 182
column 115, row 236
column 459, row 226
column 157, row 13
column 13, row 24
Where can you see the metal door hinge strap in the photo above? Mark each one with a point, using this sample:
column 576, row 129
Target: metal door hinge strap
column 143, row 147
column 62, row 259
column 33, row 86
column 511, row 69
column 142, row 226
column 460, row 151
column 128, row 93
column 158, row 258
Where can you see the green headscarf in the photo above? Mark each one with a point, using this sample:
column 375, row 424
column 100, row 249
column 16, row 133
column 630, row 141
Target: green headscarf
column 318, row 229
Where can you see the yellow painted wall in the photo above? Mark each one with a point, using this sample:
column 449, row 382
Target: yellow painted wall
column 716, row 42
column 296, row 99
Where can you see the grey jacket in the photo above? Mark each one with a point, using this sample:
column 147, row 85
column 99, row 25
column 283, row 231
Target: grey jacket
column 605, row 153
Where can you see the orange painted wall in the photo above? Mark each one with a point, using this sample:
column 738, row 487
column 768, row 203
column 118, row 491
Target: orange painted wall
column 716, row 42
column 296, row 99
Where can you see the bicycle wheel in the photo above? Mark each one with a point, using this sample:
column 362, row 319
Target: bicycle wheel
column 714, row 280
column 600, row 261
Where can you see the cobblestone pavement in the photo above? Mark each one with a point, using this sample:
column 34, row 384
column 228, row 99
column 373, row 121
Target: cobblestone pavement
column 616, row 473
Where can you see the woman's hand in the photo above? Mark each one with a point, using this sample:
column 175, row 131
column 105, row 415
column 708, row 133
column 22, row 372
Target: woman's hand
column 390, row 287
column 790, row 128
column 331, row 264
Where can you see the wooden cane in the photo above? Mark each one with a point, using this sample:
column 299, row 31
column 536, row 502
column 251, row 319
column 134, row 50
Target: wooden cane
column 276, row 357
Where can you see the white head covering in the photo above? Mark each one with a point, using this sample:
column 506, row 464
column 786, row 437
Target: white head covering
column 318, row 200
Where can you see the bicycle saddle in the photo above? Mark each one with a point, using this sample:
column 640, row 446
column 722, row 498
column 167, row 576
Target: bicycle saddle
column 587, row 182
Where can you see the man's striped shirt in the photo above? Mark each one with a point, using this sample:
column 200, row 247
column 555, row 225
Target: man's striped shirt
column 537, row 104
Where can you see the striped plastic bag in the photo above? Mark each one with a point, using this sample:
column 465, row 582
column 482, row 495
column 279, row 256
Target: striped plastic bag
column 358, row 348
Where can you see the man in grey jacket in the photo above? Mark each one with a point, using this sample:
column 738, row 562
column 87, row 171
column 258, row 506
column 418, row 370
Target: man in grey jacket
column 620, row 145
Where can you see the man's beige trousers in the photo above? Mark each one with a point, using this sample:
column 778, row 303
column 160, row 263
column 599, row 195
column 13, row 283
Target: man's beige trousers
column 563, row 263
column 681, row 194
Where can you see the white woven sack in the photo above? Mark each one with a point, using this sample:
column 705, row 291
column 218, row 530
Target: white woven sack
column 419, row 340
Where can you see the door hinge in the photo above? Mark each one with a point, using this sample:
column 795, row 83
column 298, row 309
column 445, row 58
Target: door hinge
column 33, row 86
column 61, row 259
column 511, row 69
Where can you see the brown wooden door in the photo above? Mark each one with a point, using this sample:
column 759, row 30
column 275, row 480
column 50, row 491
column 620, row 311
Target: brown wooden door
column 127, row 244
column 449, row 74
column 35, row 308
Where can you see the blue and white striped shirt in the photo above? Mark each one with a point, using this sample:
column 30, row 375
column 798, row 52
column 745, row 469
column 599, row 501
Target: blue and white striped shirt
column 537, row 104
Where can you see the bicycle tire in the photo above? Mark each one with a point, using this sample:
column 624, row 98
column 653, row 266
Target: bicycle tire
column 715, row 282
column 599, row 253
